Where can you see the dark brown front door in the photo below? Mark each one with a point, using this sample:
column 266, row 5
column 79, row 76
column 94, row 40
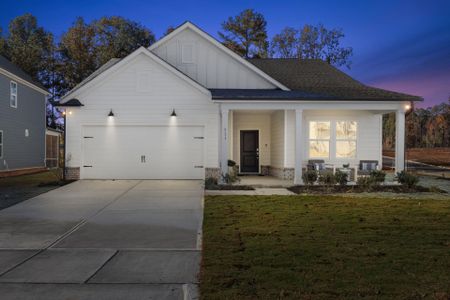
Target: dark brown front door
column 249, row 151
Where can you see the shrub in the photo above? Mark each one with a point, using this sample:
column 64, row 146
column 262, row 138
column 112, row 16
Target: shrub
column 211, row 183
column 377, row 177
column 364, row 182
column 230, row 178
column 309, row 177
column 407, row 179
column 341, row 178
column 327, row 178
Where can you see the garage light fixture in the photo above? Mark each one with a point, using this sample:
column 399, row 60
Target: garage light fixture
column 111, row 114
column 173, row 114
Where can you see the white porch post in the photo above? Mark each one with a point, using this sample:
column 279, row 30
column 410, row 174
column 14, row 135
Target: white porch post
column 224, row 141
column 399, row 140
column 298, row 146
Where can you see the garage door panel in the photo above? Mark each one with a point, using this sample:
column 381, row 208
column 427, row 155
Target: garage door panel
column 143, row 152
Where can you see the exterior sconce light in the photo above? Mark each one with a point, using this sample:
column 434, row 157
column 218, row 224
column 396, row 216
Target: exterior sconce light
column 407, row 107
column 111, row 114
column 173, row 114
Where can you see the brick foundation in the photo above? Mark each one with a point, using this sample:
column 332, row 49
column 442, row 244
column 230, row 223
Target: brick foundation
column 212, row 172
column 283, row 173
column 72, row 173
column 18, row 172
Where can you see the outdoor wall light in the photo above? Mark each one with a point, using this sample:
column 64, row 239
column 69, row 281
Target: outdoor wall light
column 407, row 107
column 173, row 114
column 111, row 114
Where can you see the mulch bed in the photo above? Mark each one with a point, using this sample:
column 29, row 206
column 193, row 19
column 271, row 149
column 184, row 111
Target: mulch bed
column 320, row 189
column 230, row 188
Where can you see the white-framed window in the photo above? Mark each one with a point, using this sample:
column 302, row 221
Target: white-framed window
column 187, row 53
column 346, row 133
column 13, row 94
column 319, row 139
column 1, row 143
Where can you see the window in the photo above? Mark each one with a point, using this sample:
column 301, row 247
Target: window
column 187, row 53
column 319, row 139
column 1, row 143
column 13, row 94
column 346, row 139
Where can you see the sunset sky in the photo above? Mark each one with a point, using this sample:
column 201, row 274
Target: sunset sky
column 398, row 45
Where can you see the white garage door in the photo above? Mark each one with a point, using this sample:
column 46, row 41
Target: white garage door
column 142, row 152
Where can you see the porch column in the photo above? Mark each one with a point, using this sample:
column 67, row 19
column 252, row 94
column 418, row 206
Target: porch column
column 224, row 141
column 298, row 146
column 399, row 140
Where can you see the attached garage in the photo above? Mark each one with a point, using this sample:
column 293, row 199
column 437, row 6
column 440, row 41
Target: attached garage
column 143, row 152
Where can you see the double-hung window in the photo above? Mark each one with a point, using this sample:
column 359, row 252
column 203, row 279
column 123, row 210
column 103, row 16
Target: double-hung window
column 1, row 143
column 319, row 139
column 13, row 94
column 346, row 139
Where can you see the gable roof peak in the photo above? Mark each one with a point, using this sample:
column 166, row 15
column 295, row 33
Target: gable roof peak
column 218, row 44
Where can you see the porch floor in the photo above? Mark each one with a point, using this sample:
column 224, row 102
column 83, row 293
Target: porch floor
column 264, row 181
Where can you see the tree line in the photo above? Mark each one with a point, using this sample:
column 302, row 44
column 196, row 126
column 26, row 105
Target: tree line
column 425, row 127
column 84, row 47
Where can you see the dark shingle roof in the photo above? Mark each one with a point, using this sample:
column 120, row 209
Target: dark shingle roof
column 265, row 94
column 71, row 103
column 318, row 77
column 12, row 68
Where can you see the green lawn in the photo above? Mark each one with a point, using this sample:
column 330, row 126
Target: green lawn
column 325, row 247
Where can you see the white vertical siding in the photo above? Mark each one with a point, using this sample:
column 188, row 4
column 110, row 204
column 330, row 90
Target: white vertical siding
column 277, row 139
column 152, row 106
column 253, row 121
column 212, row 67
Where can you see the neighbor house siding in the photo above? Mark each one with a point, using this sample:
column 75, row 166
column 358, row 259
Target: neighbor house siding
column 143, row 93
column 253, row 121
column 211, row 66
column 19, row 151
column 368, row 139
column 277, row 139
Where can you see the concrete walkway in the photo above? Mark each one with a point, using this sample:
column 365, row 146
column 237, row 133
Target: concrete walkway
column 104, row 240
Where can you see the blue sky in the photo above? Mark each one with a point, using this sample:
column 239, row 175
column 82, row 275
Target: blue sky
column 399, row 45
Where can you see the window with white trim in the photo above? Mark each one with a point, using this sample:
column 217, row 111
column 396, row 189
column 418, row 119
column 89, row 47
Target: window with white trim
column 1, row 143
column 187, row 53
column 13, row 94
column 319, row 139
column 346, row 139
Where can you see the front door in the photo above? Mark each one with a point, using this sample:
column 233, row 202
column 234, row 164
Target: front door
column 249, row 151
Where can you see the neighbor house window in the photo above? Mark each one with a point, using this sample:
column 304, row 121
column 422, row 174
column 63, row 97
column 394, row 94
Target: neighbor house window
column 346, row 139
column 319, row 139
column 187, row 53
column 13, row 94
column 1, row 143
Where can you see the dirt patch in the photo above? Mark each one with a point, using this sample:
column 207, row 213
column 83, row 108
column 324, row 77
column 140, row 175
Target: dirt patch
column 320, row 189
column 432, row 156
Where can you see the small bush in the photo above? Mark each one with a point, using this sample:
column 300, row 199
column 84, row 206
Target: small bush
column 364, row 183
column 211, row 183
column 327, row 178
column 377, row 177
column 309, row 177
column 407, row 179
column 230, row 178
column 341, row 178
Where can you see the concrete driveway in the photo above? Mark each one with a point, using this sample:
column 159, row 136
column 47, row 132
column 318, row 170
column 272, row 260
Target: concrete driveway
column 123, row 239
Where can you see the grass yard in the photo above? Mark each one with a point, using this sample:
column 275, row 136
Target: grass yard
column 325, row 247
column 19, row 188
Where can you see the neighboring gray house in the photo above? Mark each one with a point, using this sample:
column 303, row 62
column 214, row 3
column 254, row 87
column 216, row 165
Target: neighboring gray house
column 22, row 120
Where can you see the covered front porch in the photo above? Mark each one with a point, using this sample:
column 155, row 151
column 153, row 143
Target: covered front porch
column 279, row 140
